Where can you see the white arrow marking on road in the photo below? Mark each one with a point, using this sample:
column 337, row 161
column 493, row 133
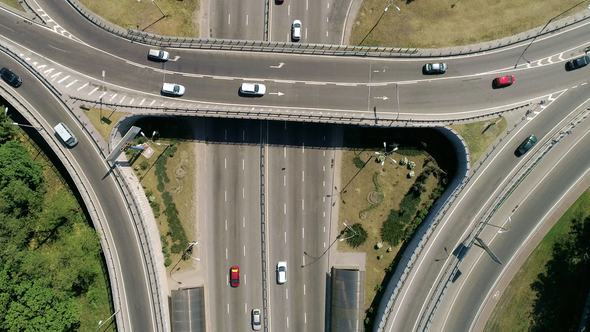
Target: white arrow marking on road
column 384, row 98
column 175, row 58
column 279, row 66
column 276, row 93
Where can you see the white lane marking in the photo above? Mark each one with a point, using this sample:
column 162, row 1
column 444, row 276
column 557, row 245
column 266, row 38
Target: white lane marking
column 228, row 308
column 121, row 101
column 228, row 19
column 324, row 217
column 131, row 101
column 246, row 307
column 93, row 91
column 302, row 176
column 225, row 195
column 285, row 208
column 303, row 232
column 324, row 244
column 287, row 293
column 289, row 10
column 327, row 20
column 302, row 204
column 243, row 193
column 153, row 101
column 304, row 288
column 226, row 224
column 287, row 321
column 324, row 199
column 246, row 19
column 328, row 5
column 244, row 250
column 326, row 33
column 305, row 33
column 324, row 168
column 285, row 237
column 303, row 148
column 225, row 163
column 324, row 182
column 102, row 95
column 324, row 151
column 285, row 152
column 245, row 280
column 225, row 253
column 63, row 79
column 141, row 103
column 306, row 4
column 243, row 164
column 243, row 221
column 284, row 180
column 74, row 81
column 113, row 97
column 324, row 226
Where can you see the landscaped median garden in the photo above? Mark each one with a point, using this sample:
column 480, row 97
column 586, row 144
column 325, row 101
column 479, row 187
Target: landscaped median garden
column 166, row 170
column 387, row 194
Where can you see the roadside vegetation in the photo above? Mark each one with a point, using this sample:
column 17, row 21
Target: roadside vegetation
column 162, row 17
column 549, row 291
column 167, row 175
column 479, row 136
column 385, row 204
column 446, row 23
column 52, row 273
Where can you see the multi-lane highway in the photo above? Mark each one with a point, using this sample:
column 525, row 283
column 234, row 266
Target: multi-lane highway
column 277, row 176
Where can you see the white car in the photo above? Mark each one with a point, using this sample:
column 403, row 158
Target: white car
column 296, row 30
column 254, row 89
column 256, row 324
column 172, row 89
column 158, row 55
column 282, row 272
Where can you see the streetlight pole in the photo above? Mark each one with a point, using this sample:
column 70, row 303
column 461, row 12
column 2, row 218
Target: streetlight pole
column 352, row 230
column 379, row 20
column 100, row 323
column 25, row 125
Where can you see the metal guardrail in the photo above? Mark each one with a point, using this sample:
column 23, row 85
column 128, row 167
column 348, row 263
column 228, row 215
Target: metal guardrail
column 512, row 184
column 277, row 114
column 82, row 189
column 240, row 45
column 146, row 245
column 263, row 226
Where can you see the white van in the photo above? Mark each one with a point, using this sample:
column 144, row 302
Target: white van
column 63, row 132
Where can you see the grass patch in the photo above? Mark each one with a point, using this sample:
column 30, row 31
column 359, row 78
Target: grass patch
column 391, row 183
column 14, row 4
column 480, row 135
column 516, row 308
column 445, row 23
column 109, row 119
column 181, row 17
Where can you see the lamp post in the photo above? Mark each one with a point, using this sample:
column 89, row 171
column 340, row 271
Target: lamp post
column 163, row 15
column 25, row 125
column 100, row 323
column 352, row 230
column 379, row 20
column 386, row 154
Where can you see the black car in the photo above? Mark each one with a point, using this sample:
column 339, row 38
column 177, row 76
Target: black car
column 578, row 63
column 527, row 145
column 10, row 77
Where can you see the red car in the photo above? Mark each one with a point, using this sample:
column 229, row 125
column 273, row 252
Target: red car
column 234, row 276
column 500, row 82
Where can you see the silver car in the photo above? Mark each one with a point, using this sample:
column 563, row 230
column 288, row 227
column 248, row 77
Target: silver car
column 435, row 68
column 253, row 89
column 172, row 89
column 256, row 325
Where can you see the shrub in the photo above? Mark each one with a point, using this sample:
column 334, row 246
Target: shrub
column 167, row 262
column 171, row 151
column 392, row 229
column 359, row 238
column 144, row 165
column 409, row 152
column 358, row 162
column 161, row 172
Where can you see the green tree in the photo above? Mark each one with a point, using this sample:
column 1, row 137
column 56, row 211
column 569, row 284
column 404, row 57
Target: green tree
column 358, row 237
